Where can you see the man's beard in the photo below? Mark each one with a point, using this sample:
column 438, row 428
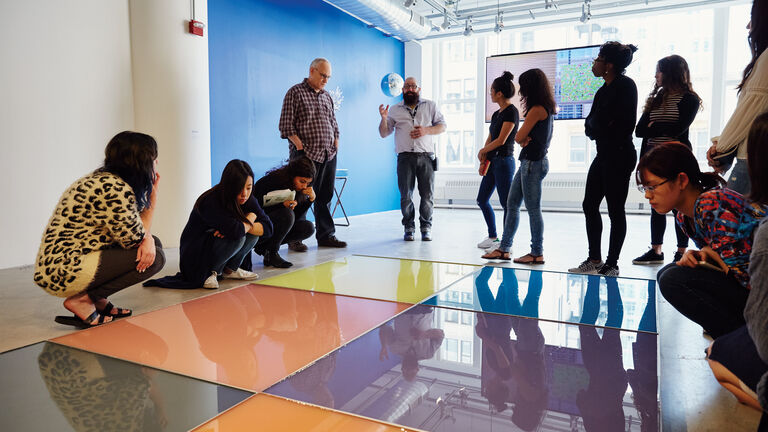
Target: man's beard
column 410, row 98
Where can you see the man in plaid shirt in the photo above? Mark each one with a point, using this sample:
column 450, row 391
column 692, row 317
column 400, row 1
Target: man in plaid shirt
column 308, row 122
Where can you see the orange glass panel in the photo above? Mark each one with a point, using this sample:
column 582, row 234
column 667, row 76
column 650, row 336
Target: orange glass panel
column 248, row 337
column 271, row 413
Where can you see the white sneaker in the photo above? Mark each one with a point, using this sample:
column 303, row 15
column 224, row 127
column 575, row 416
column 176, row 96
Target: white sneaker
column 240, row 274
column 211, row 282
column 489, row 243
column 587, row 267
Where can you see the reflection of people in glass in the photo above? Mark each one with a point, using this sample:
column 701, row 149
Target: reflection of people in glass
column 519, row 374
column 96, row 393
column 601, row 404
column 644, row 379
column 412, row 338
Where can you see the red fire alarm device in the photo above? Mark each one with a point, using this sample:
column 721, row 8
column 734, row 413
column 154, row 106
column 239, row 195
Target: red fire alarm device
column 196, row 27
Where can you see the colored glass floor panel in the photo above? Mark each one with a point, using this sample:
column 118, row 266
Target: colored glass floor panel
column 433, row 368
column 51, row 387
column 247, row 337
column 269, row 413
column 389, row 279
column 627, row 304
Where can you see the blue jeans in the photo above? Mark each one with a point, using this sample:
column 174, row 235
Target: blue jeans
column 413, row 167
column 739, row 178
column 526, row 186
column 230, row 253
column 499, row 177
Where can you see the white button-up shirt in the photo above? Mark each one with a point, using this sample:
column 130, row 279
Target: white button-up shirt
column 402, row 119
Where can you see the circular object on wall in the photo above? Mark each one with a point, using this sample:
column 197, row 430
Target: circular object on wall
column 392, row 84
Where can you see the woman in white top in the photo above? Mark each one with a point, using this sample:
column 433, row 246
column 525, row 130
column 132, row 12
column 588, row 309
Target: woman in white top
column 753, row 101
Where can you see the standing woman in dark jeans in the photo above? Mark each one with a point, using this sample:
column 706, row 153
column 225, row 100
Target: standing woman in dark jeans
column 288, row 216
column 98, row 239
column 610, row 124
column 668, row 113
column 534, row 137
column 498, row 149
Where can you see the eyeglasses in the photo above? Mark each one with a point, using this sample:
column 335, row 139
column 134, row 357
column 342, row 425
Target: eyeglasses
column 327, row 77
column 410, row 86
column 646, row 189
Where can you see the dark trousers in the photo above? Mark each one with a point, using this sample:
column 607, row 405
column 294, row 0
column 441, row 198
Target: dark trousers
column 608, row 178
column 230, row 252
column 412, row 168
column 117, row 270
column 287, row 226
column 659, row 225
column 709, row 298
column 499, row 177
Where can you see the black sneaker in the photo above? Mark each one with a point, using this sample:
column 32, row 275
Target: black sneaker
column 608, row 270
column 649, row 257
column 426, row 236
column 408, row 236
column 275, row 260
column 297, row 246
column 677, row 257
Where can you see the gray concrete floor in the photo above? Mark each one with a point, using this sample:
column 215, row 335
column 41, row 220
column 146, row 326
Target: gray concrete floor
column 691, row 398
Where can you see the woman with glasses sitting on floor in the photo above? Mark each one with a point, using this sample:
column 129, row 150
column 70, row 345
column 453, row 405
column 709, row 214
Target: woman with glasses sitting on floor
column 98, row 240
column 709, row 286
column 224, row 225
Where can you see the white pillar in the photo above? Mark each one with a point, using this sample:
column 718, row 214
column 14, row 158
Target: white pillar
column 171, row 88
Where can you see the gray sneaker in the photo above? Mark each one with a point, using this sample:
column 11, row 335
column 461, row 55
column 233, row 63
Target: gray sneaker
column 587, row 267
column 608, row 270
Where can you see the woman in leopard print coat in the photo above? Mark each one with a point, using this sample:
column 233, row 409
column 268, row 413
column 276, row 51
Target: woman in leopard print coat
column 98, row 240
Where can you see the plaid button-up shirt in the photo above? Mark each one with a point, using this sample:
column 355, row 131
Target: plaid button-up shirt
column 309, row 114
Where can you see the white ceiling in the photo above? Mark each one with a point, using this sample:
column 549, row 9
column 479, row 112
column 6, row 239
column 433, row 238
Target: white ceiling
column 531, row 13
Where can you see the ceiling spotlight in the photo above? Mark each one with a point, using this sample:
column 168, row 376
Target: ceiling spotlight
column 499, row 23
column 446, row 22
column 550, row 4
column 530, row 12
column 586, row 12
column 468, row 30
column 409, row 3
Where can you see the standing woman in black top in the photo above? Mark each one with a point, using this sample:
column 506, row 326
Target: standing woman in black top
column 610, row 124
column 288, row 216
column 668, row 113
column 498, row 150
column 534, row 138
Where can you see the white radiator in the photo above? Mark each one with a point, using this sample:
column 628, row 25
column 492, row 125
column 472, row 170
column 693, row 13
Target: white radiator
column 559, row 191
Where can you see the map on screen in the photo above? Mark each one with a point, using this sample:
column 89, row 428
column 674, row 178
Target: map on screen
column 569, row 71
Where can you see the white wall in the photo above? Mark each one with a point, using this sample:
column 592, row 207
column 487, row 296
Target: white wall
column 75, row 73
column 65, row 89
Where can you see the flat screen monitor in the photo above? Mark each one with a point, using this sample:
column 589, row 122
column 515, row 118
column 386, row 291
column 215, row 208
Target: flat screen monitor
column 569, row 70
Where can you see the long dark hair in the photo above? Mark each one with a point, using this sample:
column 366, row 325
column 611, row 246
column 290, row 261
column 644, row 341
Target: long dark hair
column 131, row 156
column 757, row 37
column 617, row 54
column 536, row 90
column 504, row 84
column 300, row 166
column 233, row 179
column 674, row 76
column 757, row 159
column 667, row 160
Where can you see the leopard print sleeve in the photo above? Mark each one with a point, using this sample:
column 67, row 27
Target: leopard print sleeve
column 118, row 212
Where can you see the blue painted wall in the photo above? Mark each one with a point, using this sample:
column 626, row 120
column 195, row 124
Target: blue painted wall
column 258, row 49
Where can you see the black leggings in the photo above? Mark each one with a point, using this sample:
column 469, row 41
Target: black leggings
column 117, row 270
column 608, row 178
column 659, row 225
column 287, row 227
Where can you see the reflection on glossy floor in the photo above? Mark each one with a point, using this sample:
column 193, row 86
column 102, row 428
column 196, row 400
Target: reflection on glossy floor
column 51, row 387
column 563, row 297
column 247, row 337
column 423, row 370
column 270, row 413
column 399, row 280
column 167, row 331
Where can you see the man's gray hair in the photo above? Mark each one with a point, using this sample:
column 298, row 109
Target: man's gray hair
column 317, row 61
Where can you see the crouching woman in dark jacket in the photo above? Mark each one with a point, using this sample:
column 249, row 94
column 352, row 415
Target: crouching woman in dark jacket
column 224, row 225
column 285, row 193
